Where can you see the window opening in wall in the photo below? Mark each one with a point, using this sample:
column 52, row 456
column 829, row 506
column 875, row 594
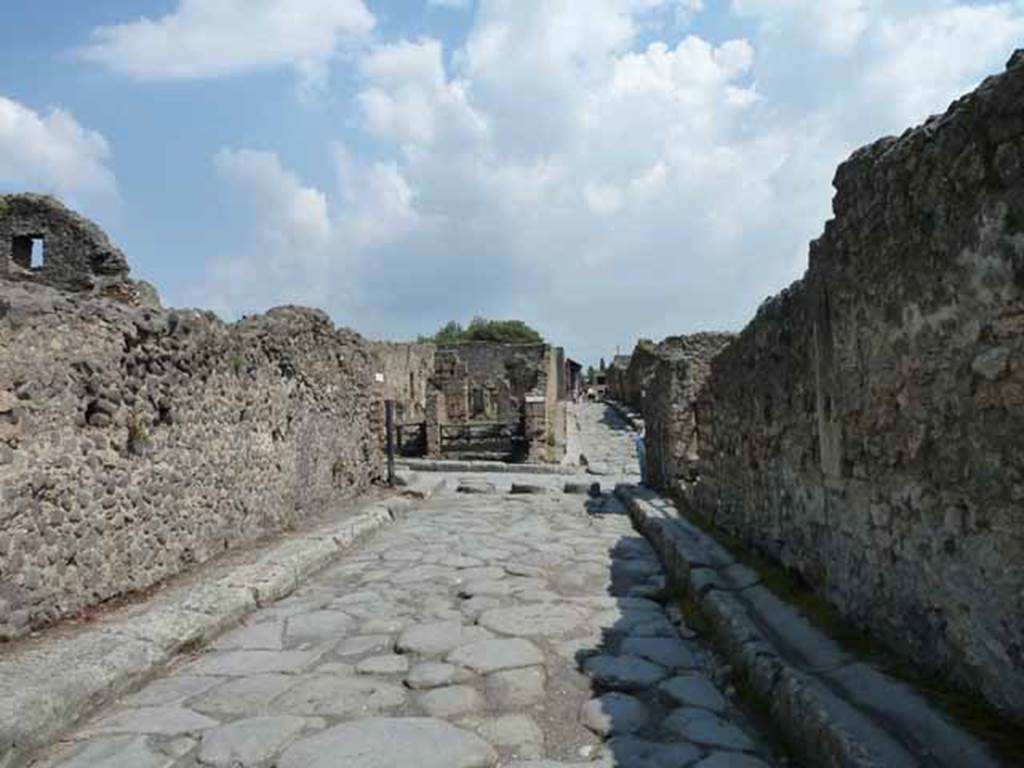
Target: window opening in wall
column 28, row 251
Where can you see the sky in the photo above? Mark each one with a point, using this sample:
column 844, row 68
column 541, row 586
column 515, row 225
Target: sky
column 603, row 169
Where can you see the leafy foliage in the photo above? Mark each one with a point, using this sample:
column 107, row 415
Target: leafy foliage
column 450, row 333
column 482, row 329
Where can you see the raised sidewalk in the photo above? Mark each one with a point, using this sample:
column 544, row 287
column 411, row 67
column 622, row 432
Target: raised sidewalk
column 832, row 708
column 50, row 682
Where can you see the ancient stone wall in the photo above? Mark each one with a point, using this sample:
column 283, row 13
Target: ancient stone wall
column 489, row 382
column 136, row 442
column 638, row 374
column 406, row 370
column 616, row 377
column 72, row 252
column 496, row 379
column 867, row 427
column 673, row 388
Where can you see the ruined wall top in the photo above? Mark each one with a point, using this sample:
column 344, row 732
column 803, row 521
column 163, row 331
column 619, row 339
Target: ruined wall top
column 696, row 346
column 485, row 360
column 43, row 241
column 631, row 386
column 974, row 140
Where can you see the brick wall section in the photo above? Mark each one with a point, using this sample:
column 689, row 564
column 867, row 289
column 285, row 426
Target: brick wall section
column 137, row 442
column 867, row 427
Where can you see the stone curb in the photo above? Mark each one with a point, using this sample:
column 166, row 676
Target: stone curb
column 832, row 709
column 57, row 680
column 430, row 465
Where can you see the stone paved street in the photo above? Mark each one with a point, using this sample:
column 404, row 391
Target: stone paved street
column 605, row 440
column 485, row 629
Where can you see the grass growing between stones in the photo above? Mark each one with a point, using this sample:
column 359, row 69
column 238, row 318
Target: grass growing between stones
column 972, row 712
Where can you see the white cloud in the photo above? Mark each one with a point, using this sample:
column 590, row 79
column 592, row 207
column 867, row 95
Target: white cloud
column 456, row 4
column 585, row 148
column 408, row 97
column 564, row 169
column 214, row 38
column 651, row 181
column 385, row 208
column 404, row 98
column 285, row 256
column 687, row 9
column 530, row 66
column 604, row 199
column 286, row 210
column 923, row 61
column 296, row 249
column 885, row 65
column 833, row 26
column 405, row 63
column 52, row 153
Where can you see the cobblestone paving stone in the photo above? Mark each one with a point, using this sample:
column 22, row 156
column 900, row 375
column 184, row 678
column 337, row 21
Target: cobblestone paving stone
column 485, row 629
column 605, row 439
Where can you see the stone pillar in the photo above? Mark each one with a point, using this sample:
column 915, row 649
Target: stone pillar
column 535, row 422
column 434, row 419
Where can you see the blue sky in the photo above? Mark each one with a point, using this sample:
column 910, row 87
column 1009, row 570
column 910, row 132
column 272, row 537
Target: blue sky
column 604, row 169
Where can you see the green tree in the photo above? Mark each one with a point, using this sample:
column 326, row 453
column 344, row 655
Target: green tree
column 602, row 365
column 449, row 333
column 482, row 329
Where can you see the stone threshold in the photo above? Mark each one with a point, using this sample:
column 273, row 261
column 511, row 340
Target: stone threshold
column 443, row 465
column 831, row 708
column 49, row 683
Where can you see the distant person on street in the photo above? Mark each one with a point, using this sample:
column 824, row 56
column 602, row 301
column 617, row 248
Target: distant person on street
column 641, row 454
